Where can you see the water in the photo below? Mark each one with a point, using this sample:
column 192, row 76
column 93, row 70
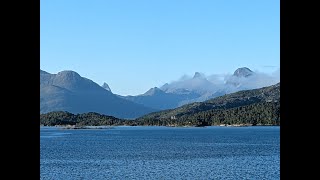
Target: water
column 160, row 153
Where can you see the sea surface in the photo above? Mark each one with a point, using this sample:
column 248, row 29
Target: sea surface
column 136, row 152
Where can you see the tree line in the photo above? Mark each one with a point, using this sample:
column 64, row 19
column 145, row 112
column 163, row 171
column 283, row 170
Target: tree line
column 263, row 113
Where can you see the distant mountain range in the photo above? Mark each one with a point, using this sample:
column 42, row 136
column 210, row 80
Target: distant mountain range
column 196, row 89
column 68, row 91
column 248, row 107
column 258, row 106
column 159, row 99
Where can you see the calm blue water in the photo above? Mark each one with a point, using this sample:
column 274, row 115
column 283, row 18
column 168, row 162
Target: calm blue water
column 160, row 153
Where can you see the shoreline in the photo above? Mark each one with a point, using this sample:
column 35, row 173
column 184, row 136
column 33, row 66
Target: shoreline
column 112, row 126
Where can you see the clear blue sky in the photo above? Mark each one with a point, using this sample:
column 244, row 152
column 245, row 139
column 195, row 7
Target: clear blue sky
column 134, row 45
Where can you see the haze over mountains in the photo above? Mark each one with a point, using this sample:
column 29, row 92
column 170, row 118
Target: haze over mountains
column 257, row 106
column 68, row 91
column 248, row 107
column 200, row 88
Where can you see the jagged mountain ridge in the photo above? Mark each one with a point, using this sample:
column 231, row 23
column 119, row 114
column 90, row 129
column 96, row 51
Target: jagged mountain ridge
column 106, row 86
column 61, row 91
column 233, row 100
column 195, row 89
column 158, row 99
column 68, row 91
column 243, row 72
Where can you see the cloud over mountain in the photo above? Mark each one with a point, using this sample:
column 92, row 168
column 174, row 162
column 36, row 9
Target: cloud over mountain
column 242, row 78
column 68, row 91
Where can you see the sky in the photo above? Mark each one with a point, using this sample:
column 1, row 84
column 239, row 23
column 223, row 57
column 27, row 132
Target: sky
column 134, row 45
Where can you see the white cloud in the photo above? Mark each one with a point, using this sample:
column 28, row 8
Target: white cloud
column 226, row 82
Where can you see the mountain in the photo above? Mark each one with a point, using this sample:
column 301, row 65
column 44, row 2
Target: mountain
column 257, row 106
column 68, row 91
column 245, row 79
column 203, row 97
column 198, row 84
column 238, row 79
column 158, row 99
column 250, row 107
column 197, row 75
column 106, row 87
column 243, row 72
column 197, row 89
column 179, row 93
column 153, row 92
